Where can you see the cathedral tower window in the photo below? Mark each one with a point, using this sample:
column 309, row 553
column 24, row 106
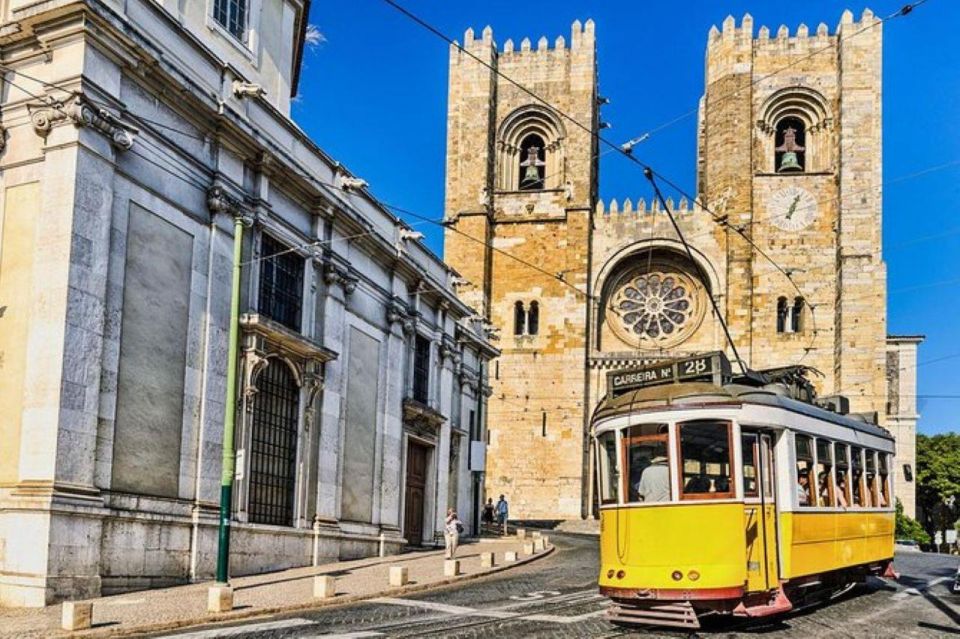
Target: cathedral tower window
column 530, row 150
column 232, row 16
column 782, row 315
column 532, row 163
column 526, row 319
column 795, row 132
column 796, row 315
column 790, row 152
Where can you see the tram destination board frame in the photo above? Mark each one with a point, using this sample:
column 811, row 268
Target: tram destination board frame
column 712, row 367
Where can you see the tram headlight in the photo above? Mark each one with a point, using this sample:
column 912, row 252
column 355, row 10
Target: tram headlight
column 677, row 575
column 693, row 575
column 621, row 574
column 610, row 573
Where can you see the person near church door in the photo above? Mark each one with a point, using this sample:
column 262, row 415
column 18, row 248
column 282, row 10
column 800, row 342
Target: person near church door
column 451, row 533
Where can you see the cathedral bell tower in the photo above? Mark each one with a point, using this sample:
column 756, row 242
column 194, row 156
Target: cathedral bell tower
column 522, row 178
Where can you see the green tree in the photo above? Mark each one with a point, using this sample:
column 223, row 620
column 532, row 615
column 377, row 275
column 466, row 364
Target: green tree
column 908, row 528
column 938, row 479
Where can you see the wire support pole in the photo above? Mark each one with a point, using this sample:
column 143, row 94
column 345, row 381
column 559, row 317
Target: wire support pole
column 648, row 173
column 230, row 412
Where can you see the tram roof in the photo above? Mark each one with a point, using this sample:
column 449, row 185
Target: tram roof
column 694, row 394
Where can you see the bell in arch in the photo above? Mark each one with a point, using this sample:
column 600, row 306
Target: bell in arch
column 790, row 160
column 531, row 166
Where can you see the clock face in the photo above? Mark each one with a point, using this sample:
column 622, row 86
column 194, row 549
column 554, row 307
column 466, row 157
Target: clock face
column 792, row 208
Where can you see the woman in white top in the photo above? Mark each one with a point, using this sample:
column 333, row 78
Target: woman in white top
column 451, row 533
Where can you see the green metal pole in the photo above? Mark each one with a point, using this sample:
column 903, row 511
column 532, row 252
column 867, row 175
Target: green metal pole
column 230, row 411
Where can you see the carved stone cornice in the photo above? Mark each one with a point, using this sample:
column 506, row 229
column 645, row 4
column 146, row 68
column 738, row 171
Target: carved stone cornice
column 469, row 380
column 220, row 200
column 398, row 311
column 415, row 413
column 449, row 349
column 82, row 113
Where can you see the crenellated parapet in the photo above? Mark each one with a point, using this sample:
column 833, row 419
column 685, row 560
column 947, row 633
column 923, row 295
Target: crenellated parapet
column 628, row 208
column 582, row 37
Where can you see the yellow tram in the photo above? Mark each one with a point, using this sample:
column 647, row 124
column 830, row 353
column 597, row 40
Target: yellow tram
column 734, row 495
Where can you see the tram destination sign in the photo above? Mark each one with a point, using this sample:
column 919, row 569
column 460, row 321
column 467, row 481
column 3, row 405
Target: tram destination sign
column 711, row 367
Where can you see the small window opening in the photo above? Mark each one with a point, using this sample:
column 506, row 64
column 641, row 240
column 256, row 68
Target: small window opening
column 532, row 163
column 533, row 319
column 607, row 467
column 782, row 313
column 232, row 16
column 805, row 475
column 519, row 319
column 796, row 315
column 843, row 467
column 825, row 488
column 873, row 493
column 884, row 472
column 856, row 477
column 748, row 444
column 790, row 152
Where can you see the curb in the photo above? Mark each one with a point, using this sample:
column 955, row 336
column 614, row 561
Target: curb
column 213, row 618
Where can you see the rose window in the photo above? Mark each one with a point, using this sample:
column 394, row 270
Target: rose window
column 659, row 307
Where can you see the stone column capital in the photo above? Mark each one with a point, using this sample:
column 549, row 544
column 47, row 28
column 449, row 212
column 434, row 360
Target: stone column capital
column 82, row 112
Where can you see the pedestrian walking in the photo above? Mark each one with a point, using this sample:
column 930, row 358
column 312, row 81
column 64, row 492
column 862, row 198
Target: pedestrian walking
column 488, row 516
column 451, row 533
column 503, row 511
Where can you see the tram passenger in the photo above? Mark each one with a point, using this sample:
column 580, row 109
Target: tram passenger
column 842, row 490
column 655, row 481
column 803, row 488
column 824, row 480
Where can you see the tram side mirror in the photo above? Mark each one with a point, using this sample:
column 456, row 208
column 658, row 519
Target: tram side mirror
column 908, row 472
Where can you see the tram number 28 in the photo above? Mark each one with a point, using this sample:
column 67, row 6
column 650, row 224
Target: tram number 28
column 695, row 366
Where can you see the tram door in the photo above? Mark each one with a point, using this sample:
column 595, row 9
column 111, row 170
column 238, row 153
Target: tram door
column 760, row 511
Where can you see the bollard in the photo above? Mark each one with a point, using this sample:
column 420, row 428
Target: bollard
column 529, row 548
column 398, row 576
column 510, row 555
column 546, row 541
column 521, row 533
column 537, row 534
column 451, row 568
column 538, row 545
column 220, row 599
column 487, row 560
column 324, row 587
column 77, row 615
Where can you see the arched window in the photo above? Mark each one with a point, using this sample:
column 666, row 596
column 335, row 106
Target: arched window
column 796, row 315
column 533, row 319
column 790, row 150
column 519, row 319
column 782, row 313
column 273, row 446
column 532, row 163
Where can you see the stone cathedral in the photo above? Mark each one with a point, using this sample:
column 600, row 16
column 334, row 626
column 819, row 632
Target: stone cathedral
column 577, row 286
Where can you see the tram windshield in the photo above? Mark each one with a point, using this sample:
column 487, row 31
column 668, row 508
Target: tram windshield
column 647, row 462
column 706, row 462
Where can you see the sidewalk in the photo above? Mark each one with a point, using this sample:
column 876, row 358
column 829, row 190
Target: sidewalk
column 171, row 608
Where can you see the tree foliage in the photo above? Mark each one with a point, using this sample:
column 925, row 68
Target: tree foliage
column 908, row 528
column 938, row 478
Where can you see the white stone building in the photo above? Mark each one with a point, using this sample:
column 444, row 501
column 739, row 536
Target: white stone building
column 135, row 131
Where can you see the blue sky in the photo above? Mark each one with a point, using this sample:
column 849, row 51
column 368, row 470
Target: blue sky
column 373, row 95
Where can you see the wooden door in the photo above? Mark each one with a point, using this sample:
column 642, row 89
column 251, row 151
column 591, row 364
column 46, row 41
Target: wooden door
column 415, row 489
column 760, row 511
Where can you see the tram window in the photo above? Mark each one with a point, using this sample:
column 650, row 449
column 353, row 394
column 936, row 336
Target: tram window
column 843, row 466
column 750, row 450
column 825, row 491
column 805, row 474
column 705, row 461
column 872, row 495
column 607, row 449
column 647, row 463
column 856, row 477
column 884, row 472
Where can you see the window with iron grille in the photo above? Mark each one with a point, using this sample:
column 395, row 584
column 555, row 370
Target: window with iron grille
column 273, row 447
column 421, row 370
column 232, row 16
column 281, row 283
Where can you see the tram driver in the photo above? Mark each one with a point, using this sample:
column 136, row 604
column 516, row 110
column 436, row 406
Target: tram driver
column 654, row 484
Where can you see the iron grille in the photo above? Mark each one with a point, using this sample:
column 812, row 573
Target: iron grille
column 421, row 370
column 281, row 283
column 273, row 447
column 232, row 16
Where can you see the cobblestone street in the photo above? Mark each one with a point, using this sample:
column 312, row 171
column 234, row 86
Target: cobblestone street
column 557, row 597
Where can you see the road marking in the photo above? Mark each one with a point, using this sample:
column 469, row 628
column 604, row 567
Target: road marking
column 348, row 635
column 535, row 595
column 239, row 631
column 903, row 594
column 450, row 610
column 504, row 612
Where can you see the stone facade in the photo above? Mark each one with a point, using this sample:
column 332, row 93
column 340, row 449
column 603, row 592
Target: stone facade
column 611, row 281
column 136, row 133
